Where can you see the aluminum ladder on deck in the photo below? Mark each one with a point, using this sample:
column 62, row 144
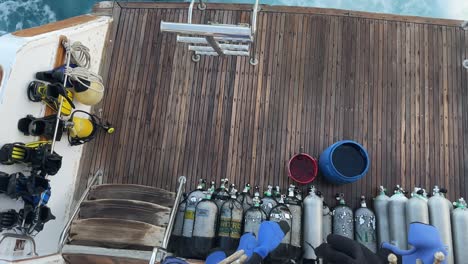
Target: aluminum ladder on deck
column 216, row 39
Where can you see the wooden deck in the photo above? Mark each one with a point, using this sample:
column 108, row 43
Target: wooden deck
column 394, row 84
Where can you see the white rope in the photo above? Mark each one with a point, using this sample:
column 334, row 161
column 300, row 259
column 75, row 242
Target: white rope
column 79, row 54
column 79, row 74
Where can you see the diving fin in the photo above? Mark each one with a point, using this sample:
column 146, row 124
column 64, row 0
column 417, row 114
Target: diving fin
column 32, row 126
column 36, row 154
column 8, row 219
column 51, row 95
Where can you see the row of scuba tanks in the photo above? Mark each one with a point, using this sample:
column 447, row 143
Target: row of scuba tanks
column 217, row 217
column 395, row 213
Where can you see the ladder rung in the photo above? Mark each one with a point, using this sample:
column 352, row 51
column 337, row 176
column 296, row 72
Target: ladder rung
column 225, row 47
column 226, row 52
column 197, row 40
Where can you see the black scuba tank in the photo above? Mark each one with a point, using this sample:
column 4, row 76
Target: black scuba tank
column 282, row 254
column 268, row 201
column 295, row 207
column 230, row 223
column 221, row 194
column 204, row 226
column 174, row 241
column 255, row 215
column 245, row 198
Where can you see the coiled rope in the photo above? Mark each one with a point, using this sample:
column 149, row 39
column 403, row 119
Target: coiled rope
column 79, row 55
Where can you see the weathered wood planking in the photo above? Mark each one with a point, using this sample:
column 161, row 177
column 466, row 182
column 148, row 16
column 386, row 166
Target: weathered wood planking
column 395, row 84
column 132, row 192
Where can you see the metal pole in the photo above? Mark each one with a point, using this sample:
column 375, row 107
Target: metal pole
column 59, row 111
column 170, row 225
column 65, row 230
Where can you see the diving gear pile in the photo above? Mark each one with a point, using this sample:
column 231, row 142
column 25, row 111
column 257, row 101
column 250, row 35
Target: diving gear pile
column 57, row 89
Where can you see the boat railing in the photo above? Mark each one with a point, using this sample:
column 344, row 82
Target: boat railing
column 66, row 229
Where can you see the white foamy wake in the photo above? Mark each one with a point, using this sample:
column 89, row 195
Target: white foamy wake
column 450, row 9
column 17, row 15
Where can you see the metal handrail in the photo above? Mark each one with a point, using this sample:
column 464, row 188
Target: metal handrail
column 21, row 236
column 159, row 252
column 64, row 234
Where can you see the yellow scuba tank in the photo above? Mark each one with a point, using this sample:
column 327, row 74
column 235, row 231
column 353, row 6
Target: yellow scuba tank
column 82, row 129
column 90, row 96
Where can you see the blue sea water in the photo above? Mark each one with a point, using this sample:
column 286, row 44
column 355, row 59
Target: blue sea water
column 21, row 14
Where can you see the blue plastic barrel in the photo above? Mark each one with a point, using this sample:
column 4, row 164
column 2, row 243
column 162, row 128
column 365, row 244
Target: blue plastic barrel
column 345, row 161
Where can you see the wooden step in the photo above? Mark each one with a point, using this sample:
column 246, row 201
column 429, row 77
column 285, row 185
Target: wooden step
column 115, row 233
column 76, row 254
column 145, row 212
column 132, row 192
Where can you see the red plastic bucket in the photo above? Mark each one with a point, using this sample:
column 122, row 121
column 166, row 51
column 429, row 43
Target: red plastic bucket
column 302, row 168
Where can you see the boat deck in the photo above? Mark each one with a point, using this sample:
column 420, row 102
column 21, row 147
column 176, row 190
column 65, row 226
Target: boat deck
column 394, row 84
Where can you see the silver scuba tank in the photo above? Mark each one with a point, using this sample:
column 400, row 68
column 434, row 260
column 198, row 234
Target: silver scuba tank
column 245, row 198
column 230, row 223
column 204, row 226
column 416, row 208
column 381, row 214
column 255, row 215
column 460, row 233
column 313, row 217
column 397, row 218
column 327, row 218
column 439, row 216
column 364, row 226
column 298, row 193
column 192, row 200
column 268, row 201
column 279, row 213
column 343, row 220
column 295, row 207
column 443, row 192
column 221, row 194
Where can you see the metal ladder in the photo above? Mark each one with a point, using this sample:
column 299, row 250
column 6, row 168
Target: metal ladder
column 216, row 39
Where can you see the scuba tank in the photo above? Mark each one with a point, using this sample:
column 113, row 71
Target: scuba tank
column 254, row 216
column 277, row 192
column 221, row 195
column 364, row 226
column 204, row 226
column 178, row 225
column 343, row 218
column 439, row 216
column 313, row 218
column 460, row 234
column 381, row 213
column 397, row 218
column 268, row 202
column 295, row 207
column 416, row 208
column 244, row 198
column 230, row 223
column 192, row 200
column 282, row 253
column 326, row 218
column 298, row 193
column 83, row 127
